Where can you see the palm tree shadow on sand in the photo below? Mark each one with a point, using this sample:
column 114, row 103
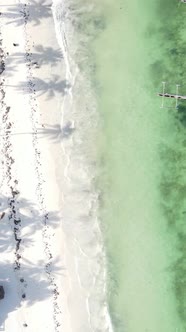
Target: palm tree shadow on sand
column 49, row 87
column 28, row 216
column 42, row 56
column 34, row 11
column 7, row 67
column 53, row 132
column 33, row 285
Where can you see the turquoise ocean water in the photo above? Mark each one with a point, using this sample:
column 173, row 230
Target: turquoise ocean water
column 125, row 49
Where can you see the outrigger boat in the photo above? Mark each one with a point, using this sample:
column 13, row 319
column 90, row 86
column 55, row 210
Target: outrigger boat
column 175, row 96
column 168, row 95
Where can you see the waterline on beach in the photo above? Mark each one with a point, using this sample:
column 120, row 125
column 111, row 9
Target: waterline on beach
column 87, row 299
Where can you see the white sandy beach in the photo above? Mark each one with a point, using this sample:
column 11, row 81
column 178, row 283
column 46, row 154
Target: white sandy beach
column 40, row 271
column 34, row 275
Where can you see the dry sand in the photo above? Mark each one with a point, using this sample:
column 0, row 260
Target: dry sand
column 33, row 263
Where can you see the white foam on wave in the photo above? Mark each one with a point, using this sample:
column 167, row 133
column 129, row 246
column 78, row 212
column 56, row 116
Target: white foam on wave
column 80, row 201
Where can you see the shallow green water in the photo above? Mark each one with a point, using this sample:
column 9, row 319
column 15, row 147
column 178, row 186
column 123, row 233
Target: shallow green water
column 142, row 151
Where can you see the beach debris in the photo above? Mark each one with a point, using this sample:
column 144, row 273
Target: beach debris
column 17, row 221
column 25, row 325
column 2, row 63
column 2, row 67
column 15, row 44
column 22, row 280
column 23, row 296
column 2, row 215
column 15, row 192
column 35, row 64
column 2, row 293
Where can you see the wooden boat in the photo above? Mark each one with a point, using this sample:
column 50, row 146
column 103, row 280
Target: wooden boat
column 169, row 95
